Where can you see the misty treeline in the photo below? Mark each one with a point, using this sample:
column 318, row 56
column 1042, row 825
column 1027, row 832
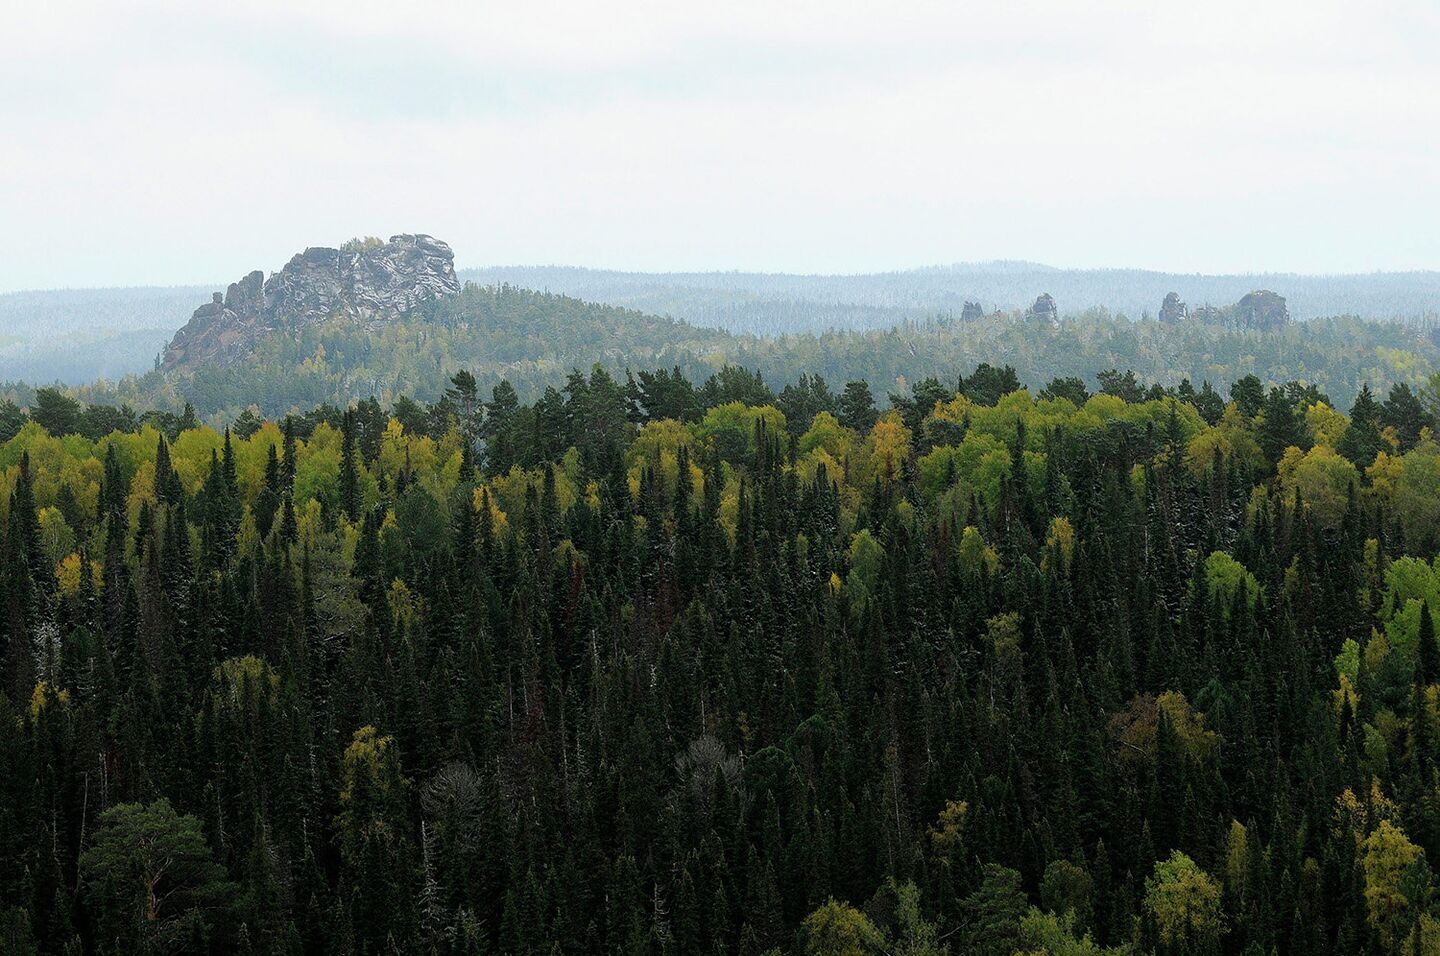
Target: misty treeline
column 76, row 336
column 653, row 666
column 777, row 303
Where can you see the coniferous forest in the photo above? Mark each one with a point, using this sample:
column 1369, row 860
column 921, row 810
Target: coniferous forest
column 666, row 667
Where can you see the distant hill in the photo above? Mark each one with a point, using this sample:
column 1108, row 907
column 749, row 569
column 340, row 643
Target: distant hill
column 530, row 338
column 79, row 335
column 773, row 303
column 387, row 318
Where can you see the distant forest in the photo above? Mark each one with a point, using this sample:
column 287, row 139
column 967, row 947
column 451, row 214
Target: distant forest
column 76, row 336
column 534, row 340
column 79, row 335
column 770, row 304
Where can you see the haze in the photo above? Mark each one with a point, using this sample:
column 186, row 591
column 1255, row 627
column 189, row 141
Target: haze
column 149, row 143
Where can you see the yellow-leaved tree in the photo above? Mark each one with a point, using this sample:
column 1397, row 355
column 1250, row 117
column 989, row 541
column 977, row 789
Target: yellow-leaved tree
column 1184, row 903
column 1388, row 854
column 837, row 929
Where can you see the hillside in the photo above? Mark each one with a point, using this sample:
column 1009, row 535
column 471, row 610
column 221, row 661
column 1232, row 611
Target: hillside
column 529, row 338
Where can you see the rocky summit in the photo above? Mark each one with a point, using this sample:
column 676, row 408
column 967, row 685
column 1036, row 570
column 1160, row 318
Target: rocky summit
column 367, row 281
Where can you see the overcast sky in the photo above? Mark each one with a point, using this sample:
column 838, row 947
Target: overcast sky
column 146, row 143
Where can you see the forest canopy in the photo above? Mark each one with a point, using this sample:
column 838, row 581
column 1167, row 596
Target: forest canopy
column 656, row 666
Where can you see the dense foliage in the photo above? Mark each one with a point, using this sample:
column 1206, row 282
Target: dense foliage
column 645, row 666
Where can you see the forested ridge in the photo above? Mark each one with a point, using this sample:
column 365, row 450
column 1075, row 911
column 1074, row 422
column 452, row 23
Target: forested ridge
column 532, row 339
column 652, row 666
column 78, row 335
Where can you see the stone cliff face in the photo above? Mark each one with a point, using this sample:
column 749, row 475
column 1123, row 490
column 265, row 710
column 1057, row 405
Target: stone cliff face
column 370, row 284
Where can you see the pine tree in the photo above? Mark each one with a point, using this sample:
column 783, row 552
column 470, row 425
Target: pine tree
column 857, row 406
column 1281, row 427
column 1428, row 649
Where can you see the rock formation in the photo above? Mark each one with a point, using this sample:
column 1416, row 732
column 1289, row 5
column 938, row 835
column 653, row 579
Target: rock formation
column 1045, row 308
column 971, row 311
column 1262, row 309
column 367, row 282
column 1172, row 310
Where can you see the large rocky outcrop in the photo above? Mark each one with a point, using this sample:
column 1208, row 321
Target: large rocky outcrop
column 972, row 312
column 1045, row 309
column 368, row 282
column 1262, row 309
column 1172, row 310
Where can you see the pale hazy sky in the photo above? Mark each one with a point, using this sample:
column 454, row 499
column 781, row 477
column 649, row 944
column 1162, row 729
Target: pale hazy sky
column 145, row 142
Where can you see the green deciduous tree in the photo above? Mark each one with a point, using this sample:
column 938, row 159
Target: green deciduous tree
column 1184, row 903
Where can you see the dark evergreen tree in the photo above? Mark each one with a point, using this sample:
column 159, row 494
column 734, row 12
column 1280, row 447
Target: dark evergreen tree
column 857, row 407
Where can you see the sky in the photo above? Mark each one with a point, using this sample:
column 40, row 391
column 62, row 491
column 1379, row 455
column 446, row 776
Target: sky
column 161, row 143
